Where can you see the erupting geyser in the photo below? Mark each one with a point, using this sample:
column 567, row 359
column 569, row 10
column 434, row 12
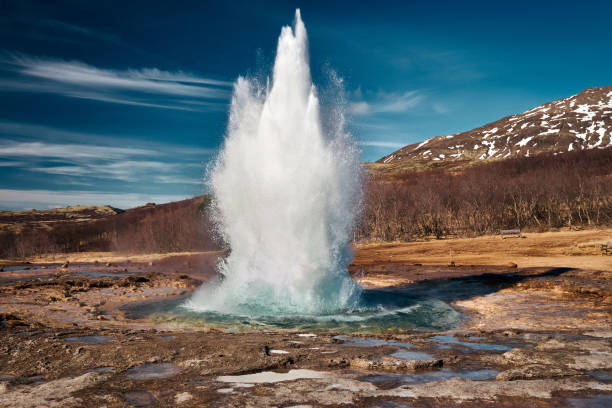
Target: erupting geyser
column 286, row 190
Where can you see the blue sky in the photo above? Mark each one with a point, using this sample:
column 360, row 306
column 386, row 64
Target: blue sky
column 124, row 103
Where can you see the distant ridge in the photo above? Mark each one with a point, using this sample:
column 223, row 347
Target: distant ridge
column 579, row 122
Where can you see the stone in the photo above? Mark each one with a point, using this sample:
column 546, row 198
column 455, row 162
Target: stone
column 536, row 371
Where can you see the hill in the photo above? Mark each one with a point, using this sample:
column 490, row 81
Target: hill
column 47, row 219
column 579, row 122
column 175, row 226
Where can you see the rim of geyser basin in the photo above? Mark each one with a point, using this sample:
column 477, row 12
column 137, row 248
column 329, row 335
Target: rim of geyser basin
column 415, row 313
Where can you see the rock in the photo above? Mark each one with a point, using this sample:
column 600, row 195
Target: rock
column 395, row 364
column 154, row 359
column 511, row 265
column 339, row 362
column 182, row 397
column 451, row 264
column 108, row 264
column 536, row 371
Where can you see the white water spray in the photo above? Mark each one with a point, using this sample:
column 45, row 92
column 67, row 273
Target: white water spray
column 286, row 191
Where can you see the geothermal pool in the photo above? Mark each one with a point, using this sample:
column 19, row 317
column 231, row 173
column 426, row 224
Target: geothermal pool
column 379, row 311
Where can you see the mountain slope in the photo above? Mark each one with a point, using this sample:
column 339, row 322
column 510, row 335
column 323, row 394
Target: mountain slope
column 579, row 122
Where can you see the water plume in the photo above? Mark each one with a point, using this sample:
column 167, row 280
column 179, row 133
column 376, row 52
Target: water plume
column 286, row 188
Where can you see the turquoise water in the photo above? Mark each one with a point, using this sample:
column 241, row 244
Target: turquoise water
column 377, row 311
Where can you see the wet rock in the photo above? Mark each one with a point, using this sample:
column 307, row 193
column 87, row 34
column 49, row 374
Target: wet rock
column 139, row 398
column 391, row 364
column 511, row 265
column 533, row 371
column 50, row 393
column 341, row 362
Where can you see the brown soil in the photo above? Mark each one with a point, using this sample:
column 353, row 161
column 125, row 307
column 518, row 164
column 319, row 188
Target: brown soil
column 574, row 249
column 533, row 335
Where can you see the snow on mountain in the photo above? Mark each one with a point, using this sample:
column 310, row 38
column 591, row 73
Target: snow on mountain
column 579, row 122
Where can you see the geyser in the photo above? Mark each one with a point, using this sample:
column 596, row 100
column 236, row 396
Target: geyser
column 286, row 191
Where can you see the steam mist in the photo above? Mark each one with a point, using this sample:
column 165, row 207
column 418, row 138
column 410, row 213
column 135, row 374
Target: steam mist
column 286, row 191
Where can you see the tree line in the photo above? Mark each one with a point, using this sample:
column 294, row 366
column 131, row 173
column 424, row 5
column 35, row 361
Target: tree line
column 178, row 226
column 538, row 193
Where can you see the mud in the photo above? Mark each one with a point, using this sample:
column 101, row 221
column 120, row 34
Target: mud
column 531, row 337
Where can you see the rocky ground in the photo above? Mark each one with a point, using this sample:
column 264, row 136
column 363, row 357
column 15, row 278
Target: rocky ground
column 532, row 336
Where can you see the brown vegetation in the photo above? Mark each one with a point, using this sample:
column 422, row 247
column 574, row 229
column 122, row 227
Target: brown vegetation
column 533, row 193
column 179, row 226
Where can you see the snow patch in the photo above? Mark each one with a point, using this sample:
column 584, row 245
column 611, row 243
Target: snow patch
column 524, row 141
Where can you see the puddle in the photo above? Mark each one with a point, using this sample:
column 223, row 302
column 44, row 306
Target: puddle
column 307, row 335
column 14, row 268
column 31, row 380
column 426, row 377
column 152, row 371
column 167, row 337
column 411, row 355
column 598, row 401
column 602, row 375
column 369, row 342
column 6, row 377
column 272, row 377
column 139, row 398
column 447, row 339
column 279, row 352
column 89, row 339
column 96, row 274
column 28, row 333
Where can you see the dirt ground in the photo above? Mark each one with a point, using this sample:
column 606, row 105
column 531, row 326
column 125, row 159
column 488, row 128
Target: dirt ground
column 536, row 334
column 572, row 249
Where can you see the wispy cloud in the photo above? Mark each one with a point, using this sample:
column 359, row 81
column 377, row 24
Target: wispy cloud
column 383, row 102
column 104, row 159
column 75, row 29
column 20, row 132
column 148, row 87
column 47, row 199
column 125, row 170
column 68, row 151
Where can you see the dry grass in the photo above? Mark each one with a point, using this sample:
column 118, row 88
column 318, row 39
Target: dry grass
column 576, row 249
